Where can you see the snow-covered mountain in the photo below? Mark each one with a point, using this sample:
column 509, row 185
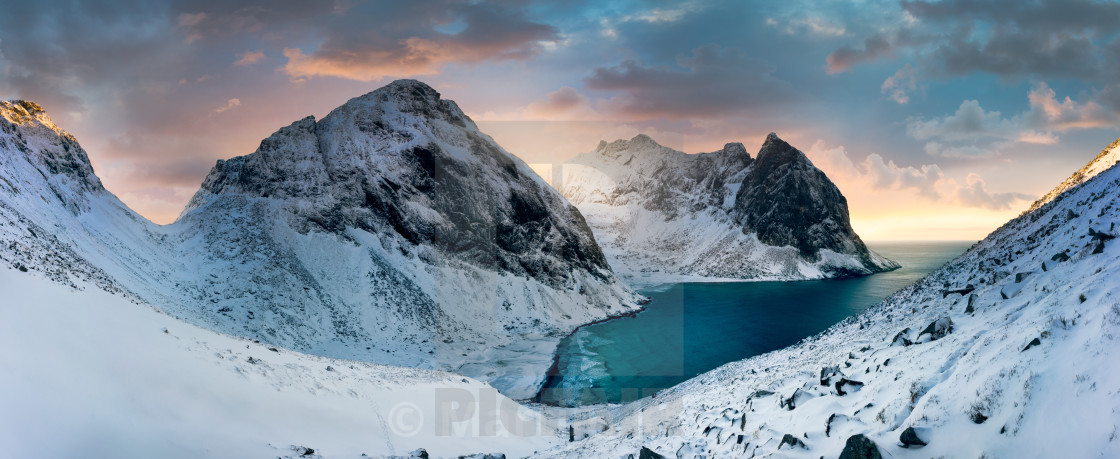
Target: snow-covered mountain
column 662, row 215
column 391, row 231
column 1008, row 351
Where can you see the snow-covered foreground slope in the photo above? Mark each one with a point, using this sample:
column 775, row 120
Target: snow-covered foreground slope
column 662, row 215
column 391, row 231
column 90, row 374
column 1010, row 350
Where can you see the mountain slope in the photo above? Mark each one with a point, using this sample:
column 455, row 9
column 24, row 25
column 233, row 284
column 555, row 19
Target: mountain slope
column 89, row 374
column 663, row 215
column 392, row 231
column 1007, row 351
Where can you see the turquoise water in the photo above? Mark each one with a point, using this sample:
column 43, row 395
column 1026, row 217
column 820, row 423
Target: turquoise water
column 691, row 328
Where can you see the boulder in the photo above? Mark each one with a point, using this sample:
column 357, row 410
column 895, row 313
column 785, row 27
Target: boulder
column 860, row 447
column 799, row 397
column 901, row 338
column 846, row 386
column 912, row 437
column 792, row 441
column 962, row 291
column 1033, row 343
column 830, row 373
column 937, row 329
column 647, row 453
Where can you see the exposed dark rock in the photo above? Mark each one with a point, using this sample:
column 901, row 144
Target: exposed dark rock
column 787, row 201
column 792, row 441
column 902, row 338
column 860, row 447
column 646, row 453
column 937, row 329
column 971, row 304
column 832, row 419
column 1033, row 343
column 827, row 373
column 1019, row 277
column 1060, row 257
column 962, row 291
column 420, row 453
column 798, row 397
column 760, row 393
column 910, row 438
column 845, row 386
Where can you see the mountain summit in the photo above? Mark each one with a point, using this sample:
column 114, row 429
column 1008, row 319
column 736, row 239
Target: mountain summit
column 786, row 201
column 661, row 214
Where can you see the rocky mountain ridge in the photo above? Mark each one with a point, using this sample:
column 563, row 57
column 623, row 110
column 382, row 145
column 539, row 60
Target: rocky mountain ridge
column 664, row 215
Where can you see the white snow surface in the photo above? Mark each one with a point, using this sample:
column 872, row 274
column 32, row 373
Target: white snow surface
column 981, row 390
column 662, row 215
column 90, row 374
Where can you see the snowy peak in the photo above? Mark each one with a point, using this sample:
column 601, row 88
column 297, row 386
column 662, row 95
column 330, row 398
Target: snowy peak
column 400, row 161
column 720, row 214
column 29, row 136
column 735, row 149
column 776, row 151
column 640, row 146
column 787, row 201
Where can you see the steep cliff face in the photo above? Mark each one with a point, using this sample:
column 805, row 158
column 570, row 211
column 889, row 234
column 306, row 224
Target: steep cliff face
column 786, row 201
column 391, row 231
column 662, row 215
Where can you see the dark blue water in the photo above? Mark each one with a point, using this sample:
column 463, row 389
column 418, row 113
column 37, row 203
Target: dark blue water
column 691, row 328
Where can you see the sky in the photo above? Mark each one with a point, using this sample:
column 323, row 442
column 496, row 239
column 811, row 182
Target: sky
column 937, row 120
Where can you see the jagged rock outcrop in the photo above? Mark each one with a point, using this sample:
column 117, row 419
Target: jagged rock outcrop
column 662, row 214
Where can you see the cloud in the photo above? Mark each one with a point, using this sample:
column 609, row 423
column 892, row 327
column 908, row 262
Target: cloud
column 972, row 122
column 1035, row 40
column 188, row 22
column 874, row 47
column 1049, row 112
column 974, row 132
column 417, row 46
column 809, row 25
column 877, row 173
column 230, row 104
column 249, row 58
column 899, row 86
column 928, row 181
column 563, row 101
column 711, row 82
column 975, row 194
